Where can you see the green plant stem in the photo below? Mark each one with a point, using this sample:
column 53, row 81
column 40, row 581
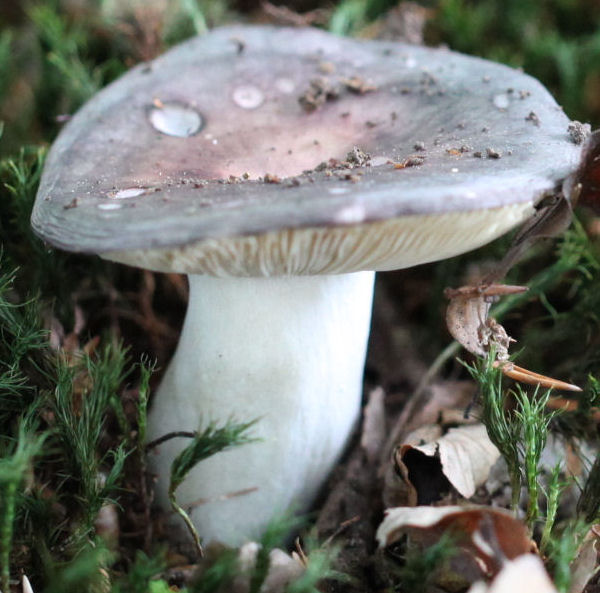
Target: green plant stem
column 206, row 443
column 555, row 487
column 9, row 495
column 186, row 518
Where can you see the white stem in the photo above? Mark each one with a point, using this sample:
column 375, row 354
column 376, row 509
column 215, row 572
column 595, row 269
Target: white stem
column 289, row 351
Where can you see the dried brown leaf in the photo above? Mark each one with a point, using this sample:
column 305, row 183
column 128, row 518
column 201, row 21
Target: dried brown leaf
column 466, row 455
column 585, row 563
column 468, row 322
column 372, row 438
column 488, row 535
column 525, row 574
column 427, row 406
column 425, row 484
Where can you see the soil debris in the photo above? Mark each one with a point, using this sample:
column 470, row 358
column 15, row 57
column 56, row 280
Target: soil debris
column 578, row 132
column 320, row 91
column 326, row 67
column 240, row 44
column 270, row 178
column 533, row 118
column 412, row 161
column 358, row 157
column 358, row 85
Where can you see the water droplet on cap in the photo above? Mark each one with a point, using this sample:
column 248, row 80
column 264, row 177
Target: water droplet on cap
column 248, row 97
column 112, row 206
column 410, row 62
column 175, row 119
column 285, row 85
column 350, row 215
column 379, row 160
column 501, row 101
column 130, row 192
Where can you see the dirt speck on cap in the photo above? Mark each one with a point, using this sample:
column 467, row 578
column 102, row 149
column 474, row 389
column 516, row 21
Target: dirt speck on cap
column 320, row 91
column 358, row 157
column 578, row 132
column 412, row 161
column 533, row 118
column 358, row 85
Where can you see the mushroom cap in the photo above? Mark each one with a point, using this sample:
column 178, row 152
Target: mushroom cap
column 151, row 170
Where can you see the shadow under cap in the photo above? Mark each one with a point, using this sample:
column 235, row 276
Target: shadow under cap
column 114, row 181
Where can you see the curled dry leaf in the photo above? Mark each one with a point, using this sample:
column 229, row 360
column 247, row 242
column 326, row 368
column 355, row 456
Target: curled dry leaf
column 468, row 322
column 486, row 536
column 524, row 574
column 413, row 479
column 427, row 406
column 372, row 437
column 551, row 218
column 586, row 561
column 465, row 456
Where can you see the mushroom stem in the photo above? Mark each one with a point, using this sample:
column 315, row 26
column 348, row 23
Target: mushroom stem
column 288, row 351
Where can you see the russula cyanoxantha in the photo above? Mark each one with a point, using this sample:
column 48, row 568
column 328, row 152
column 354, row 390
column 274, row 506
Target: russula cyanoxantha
column 194, row 163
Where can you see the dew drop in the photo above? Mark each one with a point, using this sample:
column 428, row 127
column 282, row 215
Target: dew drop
column 248, row 97
column 130, row 192
column 112, row 206
column 285, row 85
column 501, row 101
column 350, row 215
column 410, row 62
column 379, row 160
column 175, row 119
column 454, row 170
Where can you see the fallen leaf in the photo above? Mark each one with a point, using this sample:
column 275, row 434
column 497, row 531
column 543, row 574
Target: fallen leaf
column 466, row 456
column 486, row 535
column 468, row 322
column 372, row 438
column 420, row 483
column 585, row 564
column 427, row 406
column 525, row 574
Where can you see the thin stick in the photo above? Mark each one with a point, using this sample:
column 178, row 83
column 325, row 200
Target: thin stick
column 227, row 496
column 169, row 436
column 344, row 525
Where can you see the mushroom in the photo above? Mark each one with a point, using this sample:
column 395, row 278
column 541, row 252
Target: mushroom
column 279, row 168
